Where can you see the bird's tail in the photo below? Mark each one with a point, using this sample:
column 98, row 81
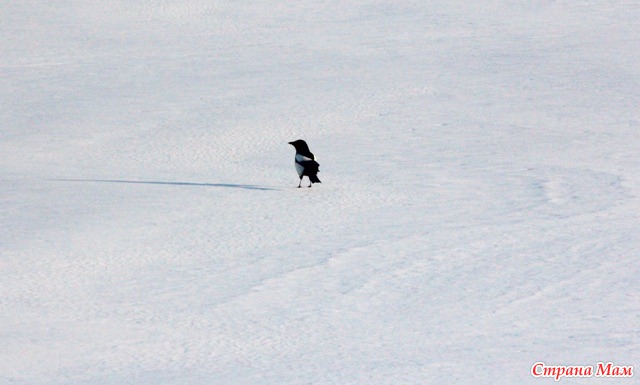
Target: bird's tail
column 314, row 179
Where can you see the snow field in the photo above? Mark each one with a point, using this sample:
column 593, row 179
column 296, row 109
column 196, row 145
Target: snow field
column 478, row 211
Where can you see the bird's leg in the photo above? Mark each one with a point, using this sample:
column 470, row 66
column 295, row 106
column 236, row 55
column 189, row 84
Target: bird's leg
column 299, row 184
column 310, row 183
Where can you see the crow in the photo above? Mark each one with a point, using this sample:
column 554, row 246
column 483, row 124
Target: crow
column 305, row 162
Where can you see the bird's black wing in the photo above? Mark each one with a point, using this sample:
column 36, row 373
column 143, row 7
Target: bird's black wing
column 311, row 167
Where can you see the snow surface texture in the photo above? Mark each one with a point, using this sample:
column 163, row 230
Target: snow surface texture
column 479, row 208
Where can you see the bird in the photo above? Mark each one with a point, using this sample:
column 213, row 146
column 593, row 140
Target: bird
column 305, row 162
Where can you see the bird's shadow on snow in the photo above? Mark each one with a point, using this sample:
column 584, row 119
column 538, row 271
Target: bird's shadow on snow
column 164, row 183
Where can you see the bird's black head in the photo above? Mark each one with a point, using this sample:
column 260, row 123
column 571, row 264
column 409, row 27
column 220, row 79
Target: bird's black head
column 300, row 146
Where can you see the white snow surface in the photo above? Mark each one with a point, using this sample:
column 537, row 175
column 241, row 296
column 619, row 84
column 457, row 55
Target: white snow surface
column 479, row 210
